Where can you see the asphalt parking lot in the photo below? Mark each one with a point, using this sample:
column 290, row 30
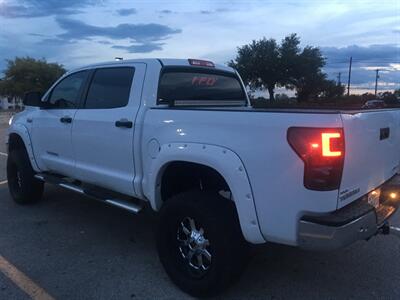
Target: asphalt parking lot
column 76, row 248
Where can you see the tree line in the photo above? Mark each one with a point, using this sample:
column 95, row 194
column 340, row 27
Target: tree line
column 267, row 64
column 263, row 64
column 24, row 74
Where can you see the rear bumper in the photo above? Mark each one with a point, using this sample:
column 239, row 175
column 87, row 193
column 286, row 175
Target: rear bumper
column 357, row 221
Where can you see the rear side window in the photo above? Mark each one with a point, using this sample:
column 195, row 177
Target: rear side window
column 66, row 94
column 110, row 88
column 197, row 87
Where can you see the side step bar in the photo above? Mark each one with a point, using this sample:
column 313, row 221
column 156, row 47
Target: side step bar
column 129, row 206
column 106, row 197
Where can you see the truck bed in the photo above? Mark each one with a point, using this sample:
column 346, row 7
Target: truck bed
column 259, row 138
column 278, row 110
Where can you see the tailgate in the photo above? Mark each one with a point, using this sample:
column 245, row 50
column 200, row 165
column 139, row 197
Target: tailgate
column 372, row 153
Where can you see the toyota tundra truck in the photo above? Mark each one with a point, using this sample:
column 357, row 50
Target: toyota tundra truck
column 180, row 137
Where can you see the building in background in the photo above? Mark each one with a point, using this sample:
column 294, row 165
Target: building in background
column 6, row 104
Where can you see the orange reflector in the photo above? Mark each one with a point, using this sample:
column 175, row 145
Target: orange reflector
column 315, row 146
column 326, row 144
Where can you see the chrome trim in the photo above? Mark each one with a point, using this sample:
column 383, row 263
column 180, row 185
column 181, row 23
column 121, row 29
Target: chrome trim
column 124, row 204
column 71, row 187
column 194, row 247
column 208, row 102
column 324, row 233
column 132, row 207
column 37, row 176
column 314, row 236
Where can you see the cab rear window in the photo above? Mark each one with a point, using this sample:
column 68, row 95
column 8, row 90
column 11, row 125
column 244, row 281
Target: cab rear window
column 190, row 86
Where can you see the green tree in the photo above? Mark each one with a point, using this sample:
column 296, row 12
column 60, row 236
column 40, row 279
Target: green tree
column 24, row 74
column 289, row 51
column 306, row 75
column 397, row 94
column 388, row 97
column 259, row 65
column 331, row 90
column 267, row 64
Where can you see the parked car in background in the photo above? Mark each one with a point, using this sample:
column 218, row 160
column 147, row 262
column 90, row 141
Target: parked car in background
column 374, row 104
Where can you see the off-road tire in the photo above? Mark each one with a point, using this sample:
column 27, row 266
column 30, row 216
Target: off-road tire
column 23, row 186
column 217, row 216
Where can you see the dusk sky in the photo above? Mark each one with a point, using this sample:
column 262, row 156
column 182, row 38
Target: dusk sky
column 79, row 32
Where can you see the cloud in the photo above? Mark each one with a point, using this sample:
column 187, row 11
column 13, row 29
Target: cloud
column 144, row 38
column 203, row 12
column 365, row 61
column 78, row 30
column 140, row 48
column 390, row 68
column 375, row 53
column 126, row 11
column 105, row 42
column 37, row 8
column 37, row 34
column 56, row 42
column 166, row 11
column 218, row 10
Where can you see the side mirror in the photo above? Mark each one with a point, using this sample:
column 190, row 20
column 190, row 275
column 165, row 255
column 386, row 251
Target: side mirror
column 33, row 99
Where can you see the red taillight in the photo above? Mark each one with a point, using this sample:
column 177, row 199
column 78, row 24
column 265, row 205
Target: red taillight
column 327, row 142
column 201, row 63
column 322, row 151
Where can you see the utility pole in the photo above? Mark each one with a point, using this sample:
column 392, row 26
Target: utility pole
column 348, row 82
column 339, row 81
column 376, row 81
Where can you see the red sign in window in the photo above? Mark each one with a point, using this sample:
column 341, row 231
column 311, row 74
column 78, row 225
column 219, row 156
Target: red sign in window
column 204, row 81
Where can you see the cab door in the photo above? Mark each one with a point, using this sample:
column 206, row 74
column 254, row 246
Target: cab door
column 103, row 130
column 52, row 124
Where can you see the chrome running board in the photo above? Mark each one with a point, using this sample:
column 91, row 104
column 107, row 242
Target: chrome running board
column 133, row 206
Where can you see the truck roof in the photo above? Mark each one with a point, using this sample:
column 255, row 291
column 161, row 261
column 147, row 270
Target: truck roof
column 162, row 61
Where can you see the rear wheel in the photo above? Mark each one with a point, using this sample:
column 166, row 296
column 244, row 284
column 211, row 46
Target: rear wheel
column 23, row 186
column 200, row 243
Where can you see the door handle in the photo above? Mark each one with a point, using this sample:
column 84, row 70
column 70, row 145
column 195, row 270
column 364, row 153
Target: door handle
column 124, row 123
column 66, row 119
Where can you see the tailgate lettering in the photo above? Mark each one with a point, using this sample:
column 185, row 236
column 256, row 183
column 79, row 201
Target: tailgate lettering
column 349, row 194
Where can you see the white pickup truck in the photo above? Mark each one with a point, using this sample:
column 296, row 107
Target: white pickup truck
column 181, row 135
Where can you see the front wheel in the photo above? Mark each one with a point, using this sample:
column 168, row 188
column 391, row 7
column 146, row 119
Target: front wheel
column 23, row 186
column 200, row 243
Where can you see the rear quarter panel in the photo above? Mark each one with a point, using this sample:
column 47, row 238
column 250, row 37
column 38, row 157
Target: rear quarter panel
column 259, row 139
